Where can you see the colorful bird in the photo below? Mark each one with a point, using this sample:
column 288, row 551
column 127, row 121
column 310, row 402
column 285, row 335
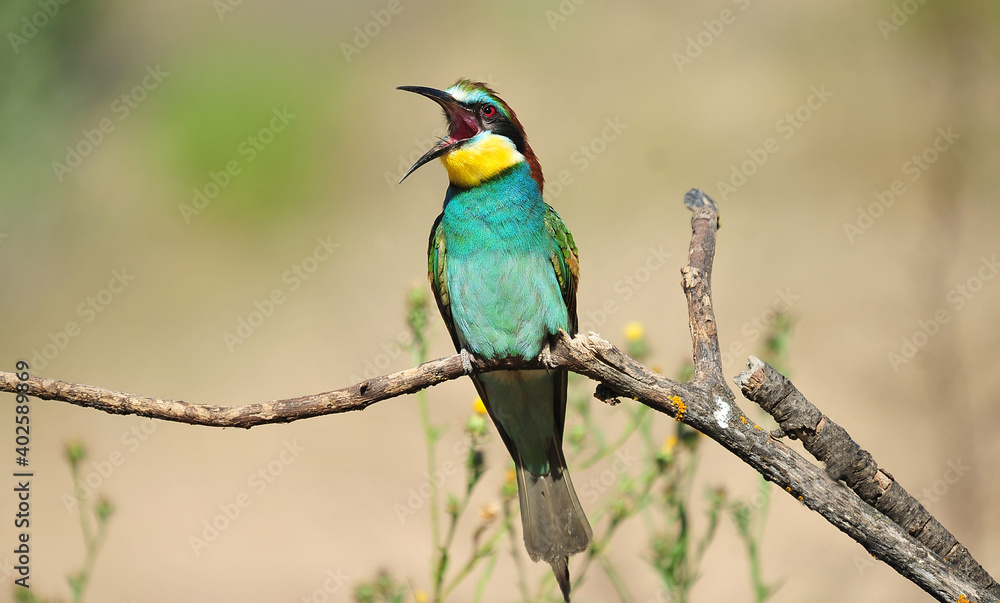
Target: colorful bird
column 504, row 269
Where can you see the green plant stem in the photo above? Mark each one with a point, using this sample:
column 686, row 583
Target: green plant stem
column 74, row 467
column 79, row 585
column 706, row 539
column 760, row 589
column 444, row 554
column 430, row 438
column 476, row 555
column 91, row 541
column 88, row 562
column 595, row 552
column 616, row 579
column 485, row 578
column 605, row 450
column 597, row 548
column 522, row 581
column 646, row 428
column 419, row 354
column 752, row 534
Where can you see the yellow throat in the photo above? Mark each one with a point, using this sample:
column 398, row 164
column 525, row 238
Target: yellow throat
column 479, row 159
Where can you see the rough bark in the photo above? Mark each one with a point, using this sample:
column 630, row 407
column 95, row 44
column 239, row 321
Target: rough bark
column 846, row 461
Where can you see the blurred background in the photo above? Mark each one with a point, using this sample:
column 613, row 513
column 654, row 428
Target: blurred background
column 208, row 192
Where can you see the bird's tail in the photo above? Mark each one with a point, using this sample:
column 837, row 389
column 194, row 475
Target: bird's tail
column 555, row 526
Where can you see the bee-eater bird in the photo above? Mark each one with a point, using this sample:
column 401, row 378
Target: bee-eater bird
column 504, row 270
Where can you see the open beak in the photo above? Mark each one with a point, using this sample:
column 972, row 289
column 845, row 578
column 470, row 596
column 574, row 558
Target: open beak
column 462, row 124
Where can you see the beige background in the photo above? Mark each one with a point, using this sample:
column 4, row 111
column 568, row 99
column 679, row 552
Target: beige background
column 328, row 175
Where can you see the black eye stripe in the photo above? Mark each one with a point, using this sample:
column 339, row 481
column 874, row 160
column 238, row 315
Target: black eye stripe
column 505, row 128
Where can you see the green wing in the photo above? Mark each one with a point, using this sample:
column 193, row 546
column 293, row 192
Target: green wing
column 565, row 261
column 436, row 258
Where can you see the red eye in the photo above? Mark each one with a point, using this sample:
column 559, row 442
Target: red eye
column 488, row 111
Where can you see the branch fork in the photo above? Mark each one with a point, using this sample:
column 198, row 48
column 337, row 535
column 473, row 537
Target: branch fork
column 853, row 493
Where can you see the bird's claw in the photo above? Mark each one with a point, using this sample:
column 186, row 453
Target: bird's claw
column 466, row 361
column 545, row 356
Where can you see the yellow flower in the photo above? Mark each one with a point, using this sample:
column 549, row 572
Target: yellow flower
column 669, row 444
column 479, row 407
column 634, row 331
column 420, row 595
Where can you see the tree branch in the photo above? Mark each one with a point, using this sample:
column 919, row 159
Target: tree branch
column 846, row 461
column 585, row 354
column 705, row 403
column 697, row 284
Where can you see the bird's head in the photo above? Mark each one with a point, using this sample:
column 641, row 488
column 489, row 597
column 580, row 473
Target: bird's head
column 484, row 136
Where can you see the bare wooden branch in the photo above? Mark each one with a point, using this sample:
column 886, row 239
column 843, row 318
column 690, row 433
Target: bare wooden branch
column 705, row 403
column 845, row 460
column 697, row 283
column 585, row 354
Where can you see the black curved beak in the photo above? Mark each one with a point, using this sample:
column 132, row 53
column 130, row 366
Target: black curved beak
column 462, row 124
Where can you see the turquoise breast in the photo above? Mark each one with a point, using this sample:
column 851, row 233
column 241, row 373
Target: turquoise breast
column 505, row 297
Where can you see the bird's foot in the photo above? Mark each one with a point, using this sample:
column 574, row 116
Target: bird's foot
column 545, row 356
column 466, row 361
